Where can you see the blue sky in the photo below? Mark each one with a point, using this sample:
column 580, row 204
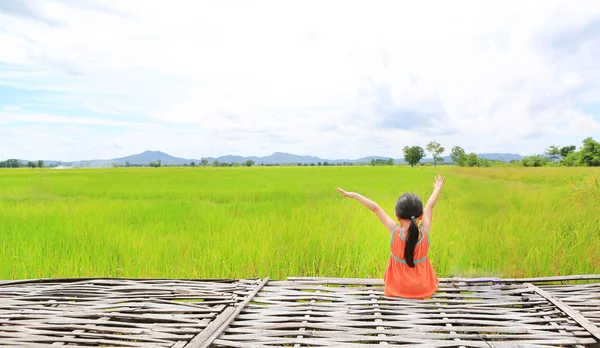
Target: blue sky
column 90, row 79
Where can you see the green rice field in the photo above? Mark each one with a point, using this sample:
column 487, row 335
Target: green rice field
column 290, row 221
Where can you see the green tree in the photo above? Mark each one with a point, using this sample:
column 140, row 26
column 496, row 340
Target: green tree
column 566, row 150
column 152, row 164
column 413, row 155
column 483, row 162
column 215, row 163
column 204, row 161
column 571, row 159
column 40, row 163
column 31, row 164
column 589, row 155
column 471, row 160
column 390, row 162
column 458, row 156
column 249, row 163
column 127, row 164
column 553, row 152
column 534, row 161
column 435, row 149
column 192, row 164
column 319, row 164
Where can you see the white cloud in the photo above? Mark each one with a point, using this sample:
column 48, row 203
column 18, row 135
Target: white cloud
column 337, row 79
column 99, row 109
column 12, row 108
column 8, row 118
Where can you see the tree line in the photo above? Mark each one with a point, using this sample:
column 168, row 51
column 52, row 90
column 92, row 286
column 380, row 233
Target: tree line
column 586, row 155
column 15, row 163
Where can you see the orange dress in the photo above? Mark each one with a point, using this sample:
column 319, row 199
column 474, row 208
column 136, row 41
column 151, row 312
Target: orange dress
column 400, row 279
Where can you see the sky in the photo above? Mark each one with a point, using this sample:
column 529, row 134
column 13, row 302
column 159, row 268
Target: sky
column 91, row 79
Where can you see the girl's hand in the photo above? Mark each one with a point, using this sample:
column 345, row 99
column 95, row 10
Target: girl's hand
column 439, row 182
column 347, row 194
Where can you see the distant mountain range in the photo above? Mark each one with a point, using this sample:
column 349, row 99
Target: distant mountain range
column 146, row 157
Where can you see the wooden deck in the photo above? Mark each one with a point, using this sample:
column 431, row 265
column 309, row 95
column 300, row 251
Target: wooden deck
column 298, row 312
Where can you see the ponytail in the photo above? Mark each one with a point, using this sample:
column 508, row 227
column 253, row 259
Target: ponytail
column 411, row 242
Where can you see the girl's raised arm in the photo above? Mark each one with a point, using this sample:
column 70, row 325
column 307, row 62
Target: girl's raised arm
column 387, row 221
column 428, row 212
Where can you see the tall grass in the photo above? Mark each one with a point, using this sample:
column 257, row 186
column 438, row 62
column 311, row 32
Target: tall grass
column 278, row 222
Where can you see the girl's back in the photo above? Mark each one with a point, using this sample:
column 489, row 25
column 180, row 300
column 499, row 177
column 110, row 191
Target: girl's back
column 400, row 279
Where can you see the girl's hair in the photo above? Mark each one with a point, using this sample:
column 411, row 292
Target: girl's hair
column 410, row 206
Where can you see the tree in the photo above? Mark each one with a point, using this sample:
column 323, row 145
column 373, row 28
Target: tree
column 204, row 161
column 319, row 164
column 192, row 164
column 483, row 162
column 589, row 155
column 458, row 156
column 435, row 149
column 158, row 163
column 31, row 164
column 534, row 161
column 571, row 159
column 152, row 164
column 215, row 163
column 13, row 163
column 471, row 159
column 127, row 164
column 553, row 152
column 41, row 164
column 249, row 163
column 380, row 162
column 566, row 150
column 413, row 154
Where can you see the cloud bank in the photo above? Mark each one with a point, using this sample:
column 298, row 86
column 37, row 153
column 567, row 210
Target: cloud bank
column 340, row 79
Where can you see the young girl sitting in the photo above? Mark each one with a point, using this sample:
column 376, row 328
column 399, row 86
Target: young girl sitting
column 408, row 273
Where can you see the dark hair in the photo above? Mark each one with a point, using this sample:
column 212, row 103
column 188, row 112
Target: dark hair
column 409, row 207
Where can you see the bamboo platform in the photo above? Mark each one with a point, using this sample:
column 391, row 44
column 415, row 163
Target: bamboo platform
column 298, row 312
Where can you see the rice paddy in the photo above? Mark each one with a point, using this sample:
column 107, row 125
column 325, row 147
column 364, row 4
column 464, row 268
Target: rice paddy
column 290, row 221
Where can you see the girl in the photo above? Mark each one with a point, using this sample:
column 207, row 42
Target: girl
column 408, row 273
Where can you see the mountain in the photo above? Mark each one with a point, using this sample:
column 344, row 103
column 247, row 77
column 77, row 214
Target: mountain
column 152, row 156
column 232, row 159
column 368, row 159
column 146, row 157
column 282, row 157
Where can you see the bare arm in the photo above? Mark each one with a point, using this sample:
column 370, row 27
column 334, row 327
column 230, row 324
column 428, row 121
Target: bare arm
column 387, row 221
column 428, row 212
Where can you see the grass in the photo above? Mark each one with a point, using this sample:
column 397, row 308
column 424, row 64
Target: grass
column 279, row 222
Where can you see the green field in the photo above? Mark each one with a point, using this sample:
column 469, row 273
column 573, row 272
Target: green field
column 290, row 221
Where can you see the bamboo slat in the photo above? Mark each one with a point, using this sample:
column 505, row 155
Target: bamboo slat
column 301, row 312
